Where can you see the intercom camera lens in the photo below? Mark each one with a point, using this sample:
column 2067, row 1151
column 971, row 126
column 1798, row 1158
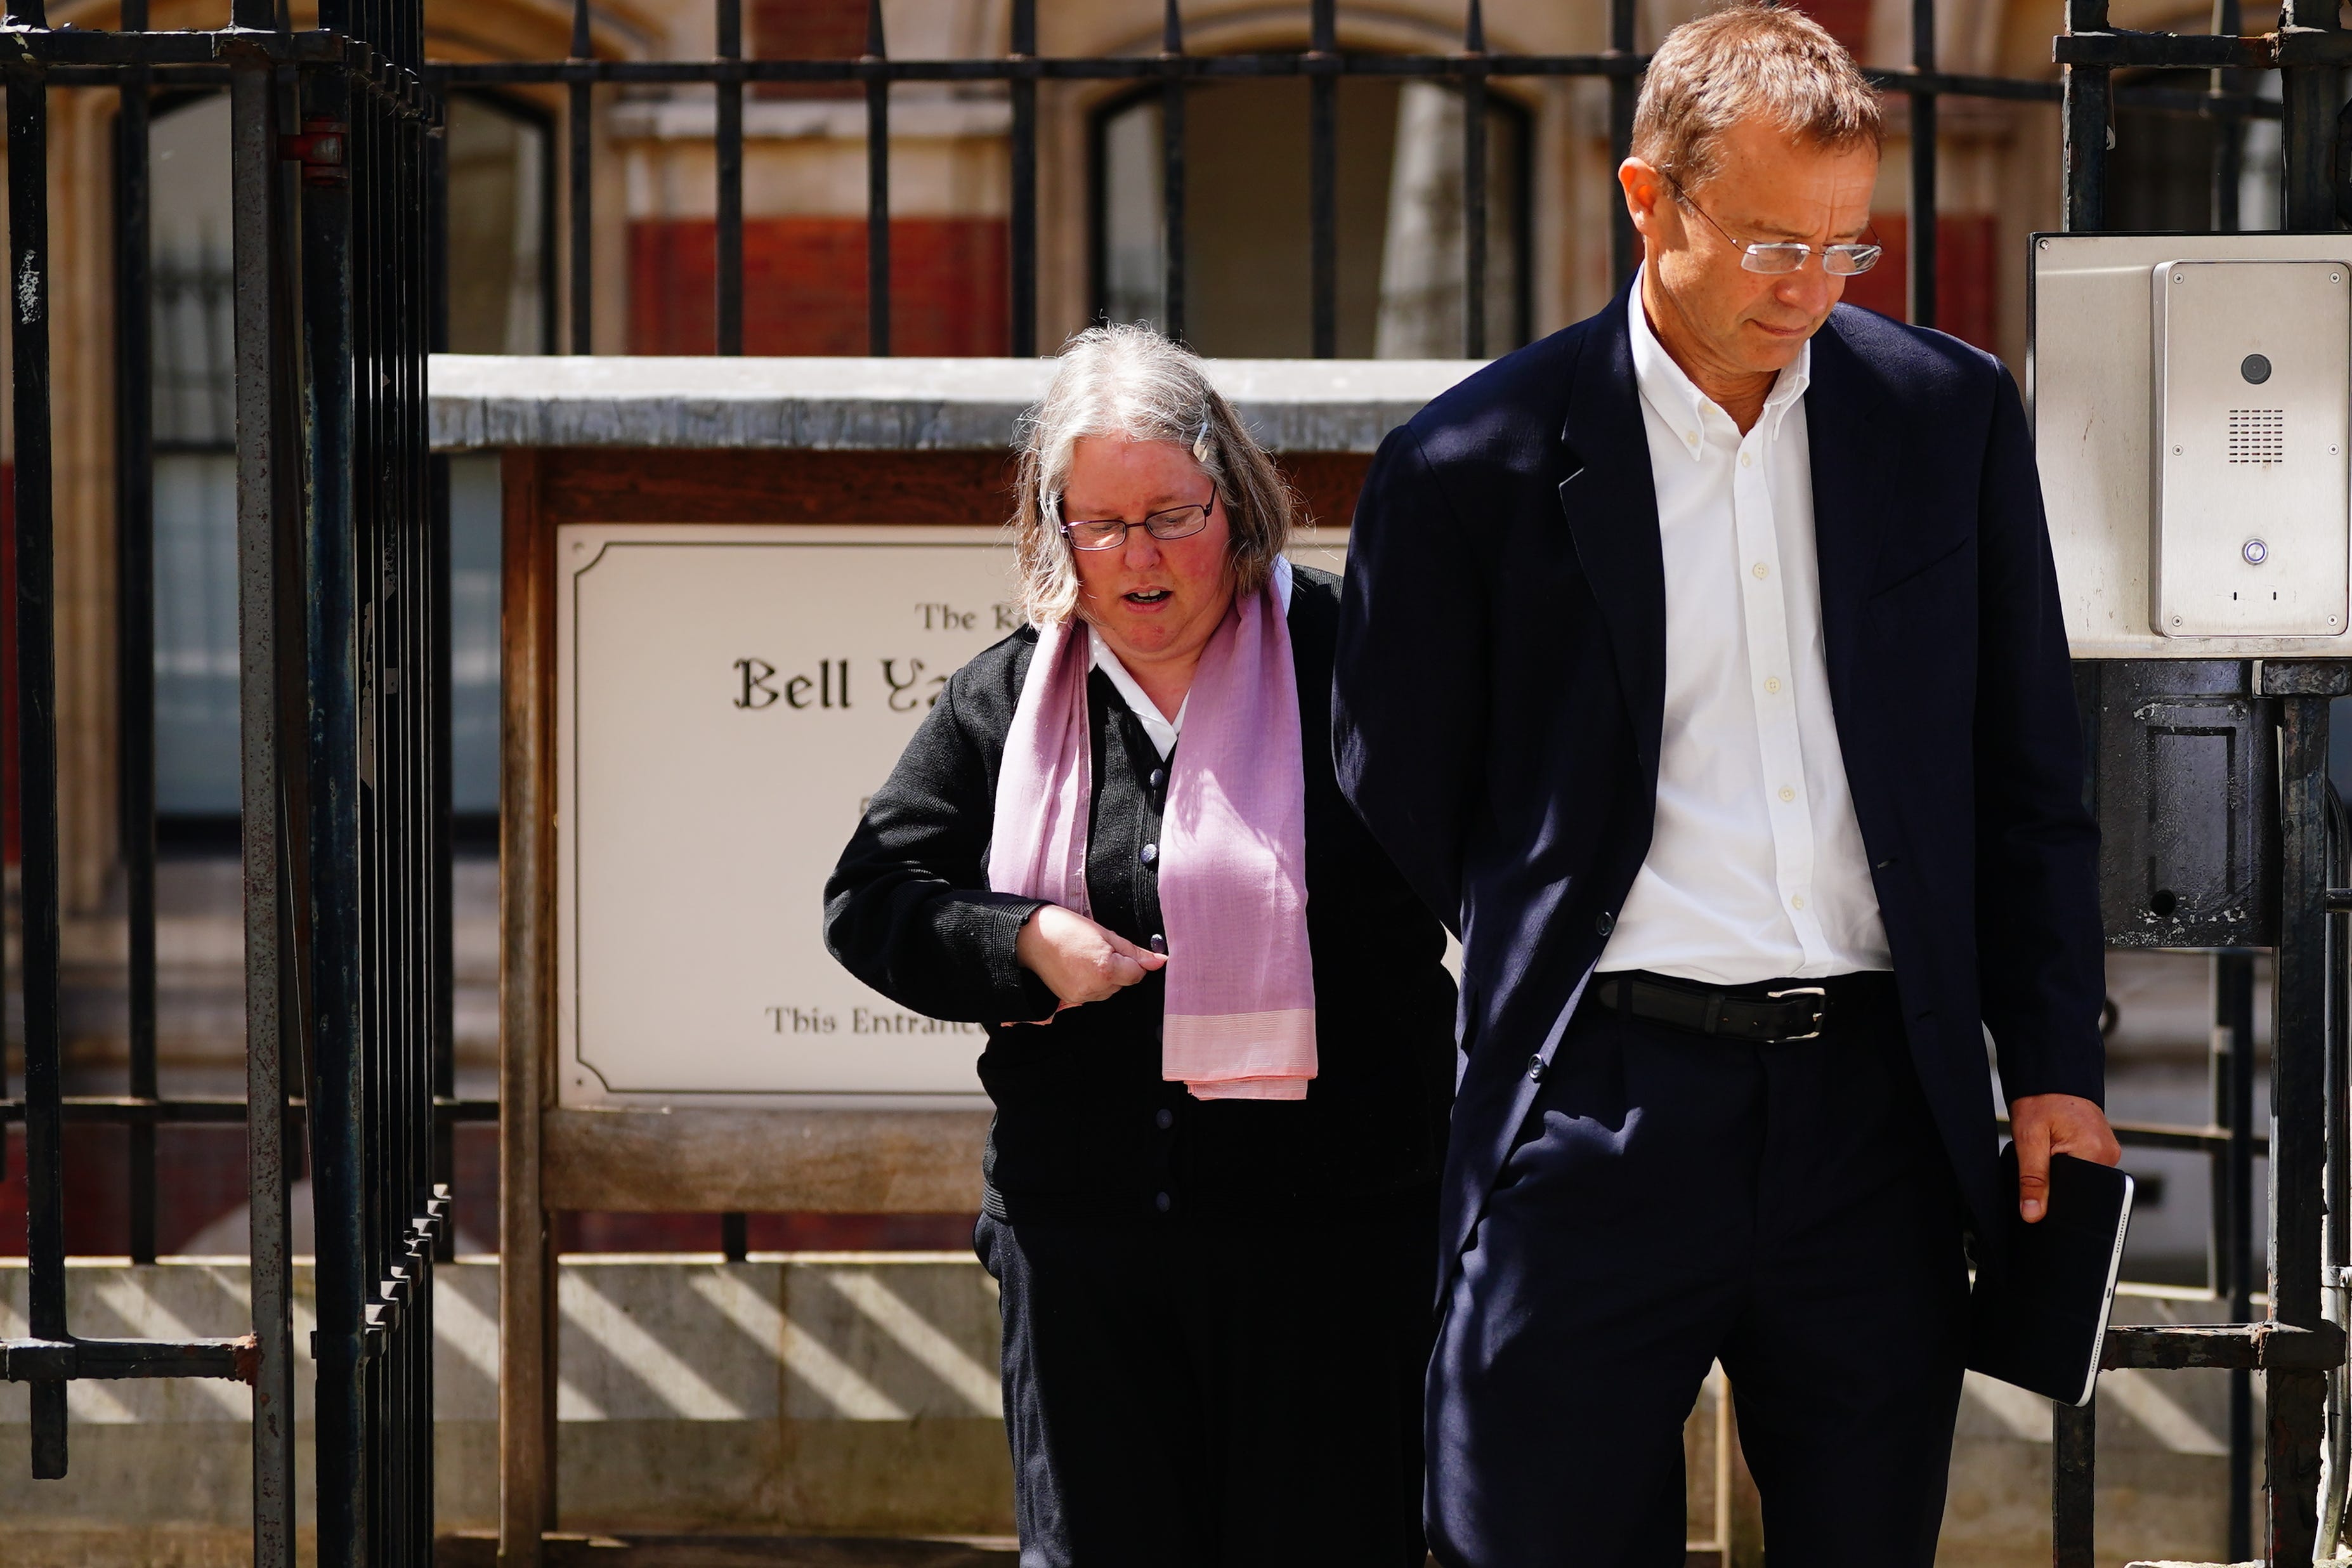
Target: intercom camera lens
column 2255, row 369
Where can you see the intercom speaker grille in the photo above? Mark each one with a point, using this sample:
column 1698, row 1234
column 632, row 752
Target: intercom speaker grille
column 2258, row 435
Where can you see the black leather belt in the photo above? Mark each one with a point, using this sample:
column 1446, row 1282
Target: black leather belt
column 1777, row 1010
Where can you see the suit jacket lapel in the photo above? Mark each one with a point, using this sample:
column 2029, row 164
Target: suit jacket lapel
column 1612, row 506
column 1848, row 456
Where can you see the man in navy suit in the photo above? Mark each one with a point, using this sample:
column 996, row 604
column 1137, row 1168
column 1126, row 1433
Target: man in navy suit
column 1702, row 665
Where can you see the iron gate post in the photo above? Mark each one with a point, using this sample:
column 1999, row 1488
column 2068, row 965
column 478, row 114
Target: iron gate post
column 2087, row 112
column 253, row 229
column 877, row 185
column 2233, row 1263
column 1623, row 89
column 2074, row 1441
column 1474, row 183
column 579, row 168
column 2298, row 1103
column 1920, row 279
column 28, row 274
column 134, row 599
column 1023, row 203
column 1171, row 169
column 335, row 635
column 2311, row 96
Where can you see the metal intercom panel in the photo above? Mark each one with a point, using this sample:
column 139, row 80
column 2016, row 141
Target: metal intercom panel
column 2094, row 368
column 2252, row 403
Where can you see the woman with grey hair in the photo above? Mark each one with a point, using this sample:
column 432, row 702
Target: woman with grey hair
column 1220, row 1036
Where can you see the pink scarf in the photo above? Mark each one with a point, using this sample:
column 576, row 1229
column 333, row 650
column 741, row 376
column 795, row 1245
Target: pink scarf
column 1240, row 1018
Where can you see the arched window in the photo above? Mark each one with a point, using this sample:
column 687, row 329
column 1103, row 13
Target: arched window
column 1246, row 262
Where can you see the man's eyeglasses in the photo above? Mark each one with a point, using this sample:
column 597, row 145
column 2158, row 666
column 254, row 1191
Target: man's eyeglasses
column 1779, row 256
column 1176, row 522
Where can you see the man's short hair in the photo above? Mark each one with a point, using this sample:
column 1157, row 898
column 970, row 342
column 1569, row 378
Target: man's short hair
column 1747, row 62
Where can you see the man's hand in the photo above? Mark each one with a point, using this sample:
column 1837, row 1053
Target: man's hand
column 1078, row 960
column 2047, row 1124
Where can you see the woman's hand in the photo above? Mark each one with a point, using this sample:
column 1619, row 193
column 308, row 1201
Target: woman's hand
column 1078, row 958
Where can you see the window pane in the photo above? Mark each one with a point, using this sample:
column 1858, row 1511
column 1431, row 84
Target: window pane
column 193, row 300
column 498, row 219
column 1133, row 256
column 1423, row 260
column 196, row 468
column 474, row 514
column 195, row 635
column 1247, row 247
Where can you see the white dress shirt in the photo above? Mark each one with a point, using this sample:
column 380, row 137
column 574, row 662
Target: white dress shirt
column 1756, row 867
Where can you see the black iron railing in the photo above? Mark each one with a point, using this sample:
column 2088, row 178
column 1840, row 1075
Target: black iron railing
column 1322, row 64
column 344, row 813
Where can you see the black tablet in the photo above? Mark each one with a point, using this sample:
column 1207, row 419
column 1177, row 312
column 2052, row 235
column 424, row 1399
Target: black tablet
column 2038, row 1320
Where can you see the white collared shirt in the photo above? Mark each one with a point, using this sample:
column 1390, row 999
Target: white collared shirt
column 1756, row 867
column 1164, row 731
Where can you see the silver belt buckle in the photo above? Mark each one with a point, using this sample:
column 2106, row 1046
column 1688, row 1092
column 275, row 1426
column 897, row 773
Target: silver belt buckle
column 1818, row 1013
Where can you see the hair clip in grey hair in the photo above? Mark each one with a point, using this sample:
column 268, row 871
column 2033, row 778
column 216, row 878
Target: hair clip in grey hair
column 1201, row 444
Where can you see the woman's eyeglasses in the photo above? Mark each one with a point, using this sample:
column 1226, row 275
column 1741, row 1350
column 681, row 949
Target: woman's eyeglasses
column 1780, row 255
column 1176, row 522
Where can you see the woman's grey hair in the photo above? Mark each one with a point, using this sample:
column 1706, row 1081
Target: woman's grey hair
column 1131, row 380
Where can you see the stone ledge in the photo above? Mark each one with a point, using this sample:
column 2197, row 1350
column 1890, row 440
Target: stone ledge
column 488, row 401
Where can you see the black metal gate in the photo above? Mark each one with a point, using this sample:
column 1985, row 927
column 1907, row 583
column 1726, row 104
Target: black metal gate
column 343, row 653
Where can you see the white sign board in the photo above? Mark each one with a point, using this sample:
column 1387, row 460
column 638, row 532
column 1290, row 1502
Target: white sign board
column 727, row 699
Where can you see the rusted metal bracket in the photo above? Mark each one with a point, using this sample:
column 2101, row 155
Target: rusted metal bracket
column 2119, row 46
column 2302, row 678
column 51, row 1361
column 2255, row 1346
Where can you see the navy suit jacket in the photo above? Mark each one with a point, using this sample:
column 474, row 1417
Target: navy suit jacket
column 1500, row 686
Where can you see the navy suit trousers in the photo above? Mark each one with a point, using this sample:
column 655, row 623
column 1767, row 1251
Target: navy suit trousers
column 1673, row 1200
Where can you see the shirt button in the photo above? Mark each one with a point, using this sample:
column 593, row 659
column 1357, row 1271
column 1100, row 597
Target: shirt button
column 1159, row 777
column 1747, row 459
column 1162, row 1202
column 1159, row 944
column 1772, row 685
column 1760, row 571
column 1691, row 437
column 1605, row 922
column 1788, row 793
column 1166, row 1118
column 1150, row 853
column 1797, row 901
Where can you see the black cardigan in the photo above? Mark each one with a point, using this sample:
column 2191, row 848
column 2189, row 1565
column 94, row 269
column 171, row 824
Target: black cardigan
column 1085, row 1126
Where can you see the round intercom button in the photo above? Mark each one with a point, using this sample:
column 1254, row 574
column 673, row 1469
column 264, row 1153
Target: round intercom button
column 2255, row 368
column 2256, row 553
